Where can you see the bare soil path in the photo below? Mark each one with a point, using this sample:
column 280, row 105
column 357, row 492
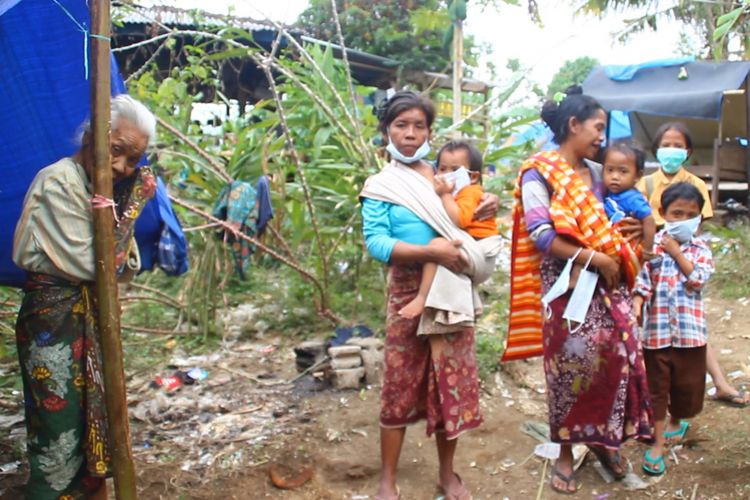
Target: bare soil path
column 218, row 439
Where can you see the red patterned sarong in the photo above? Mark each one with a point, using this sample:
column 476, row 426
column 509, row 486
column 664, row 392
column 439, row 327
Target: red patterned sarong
column 597, row 389
column 443, row 387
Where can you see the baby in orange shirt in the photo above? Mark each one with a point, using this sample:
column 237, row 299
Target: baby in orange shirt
column 452, row 156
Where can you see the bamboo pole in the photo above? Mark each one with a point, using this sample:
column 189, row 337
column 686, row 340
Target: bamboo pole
column 106, row 280
column 458, row 71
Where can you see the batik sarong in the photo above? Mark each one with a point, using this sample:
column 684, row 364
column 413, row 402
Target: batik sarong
column 60, row 357
column 443, row 387
column 597, row 389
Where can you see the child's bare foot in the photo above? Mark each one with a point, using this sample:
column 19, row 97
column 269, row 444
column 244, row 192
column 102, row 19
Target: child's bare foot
column 413, row 309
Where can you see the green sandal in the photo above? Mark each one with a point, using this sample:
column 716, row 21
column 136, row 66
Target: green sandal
column 679, row 434
column 653, row 466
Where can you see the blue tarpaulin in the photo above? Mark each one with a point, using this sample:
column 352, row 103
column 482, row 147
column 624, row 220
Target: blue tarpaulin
column 44, row 94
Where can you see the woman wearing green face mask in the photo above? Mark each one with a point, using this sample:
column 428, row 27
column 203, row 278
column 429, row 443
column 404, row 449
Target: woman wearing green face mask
column 672, row 147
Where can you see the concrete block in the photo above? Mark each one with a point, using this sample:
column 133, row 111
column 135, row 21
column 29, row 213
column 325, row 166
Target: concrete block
column 366, row 343
column 349, row 378
column 309, row 353
column 343, row 362
column 344, row 350
column 373, row 362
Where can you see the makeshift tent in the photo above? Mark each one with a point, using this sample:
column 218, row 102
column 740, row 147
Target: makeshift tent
column 710, row 97
column 44, row 94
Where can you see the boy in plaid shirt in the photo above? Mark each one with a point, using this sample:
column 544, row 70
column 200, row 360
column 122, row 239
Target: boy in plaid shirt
column 674, row 336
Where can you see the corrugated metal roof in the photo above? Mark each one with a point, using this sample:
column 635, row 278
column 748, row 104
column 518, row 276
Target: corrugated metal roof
column 173, row 16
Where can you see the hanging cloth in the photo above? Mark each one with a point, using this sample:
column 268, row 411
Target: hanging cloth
column 237, row 206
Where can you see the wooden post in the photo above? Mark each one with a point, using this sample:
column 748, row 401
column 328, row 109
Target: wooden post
column 458, row 71
column 106, row 279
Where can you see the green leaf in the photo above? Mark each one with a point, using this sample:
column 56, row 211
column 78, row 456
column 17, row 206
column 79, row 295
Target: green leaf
column 425, row 19
column 730, row 17
column 448, row 38
column 226, row 54
column 720, row 31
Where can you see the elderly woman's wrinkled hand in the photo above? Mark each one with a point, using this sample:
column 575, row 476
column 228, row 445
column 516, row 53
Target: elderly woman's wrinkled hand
column 489, row 205
column 448, row 254
column 632, row 229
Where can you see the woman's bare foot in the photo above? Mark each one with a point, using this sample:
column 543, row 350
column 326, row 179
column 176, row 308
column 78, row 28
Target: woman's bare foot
column 388, row 491
column 413, row 309
column 563, row 479
column 454, row 488
column 732, row 397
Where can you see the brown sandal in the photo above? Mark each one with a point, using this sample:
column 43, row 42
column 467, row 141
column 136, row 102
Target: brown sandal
column 609, row 462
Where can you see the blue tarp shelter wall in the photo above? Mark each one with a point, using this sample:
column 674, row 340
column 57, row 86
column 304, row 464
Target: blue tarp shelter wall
column 44, row 95
column 710, row 97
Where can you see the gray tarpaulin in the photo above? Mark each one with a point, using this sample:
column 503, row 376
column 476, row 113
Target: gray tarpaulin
column 659, row 91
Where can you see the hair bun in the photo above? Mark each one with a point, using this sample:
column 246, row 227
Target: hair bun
column 379, row 108
column 574, row 90
column 550, row 114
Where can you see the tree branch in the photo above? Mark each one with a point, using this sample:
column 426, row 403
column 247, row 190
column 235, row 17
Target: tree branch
column 322, row 309
column 215, row 166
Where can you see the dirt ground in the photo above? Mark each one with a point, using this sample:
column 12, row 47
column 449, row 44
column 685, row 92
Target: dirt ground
column 219, row 438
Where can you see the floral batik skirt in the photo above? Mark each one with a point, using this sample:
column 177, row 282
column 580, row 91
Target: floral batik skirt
column 60, row 358
column 440, row 385
column 596, row 378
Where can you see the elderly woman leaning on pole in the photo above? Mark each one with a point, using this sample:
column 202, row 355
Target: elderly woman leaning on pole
column 56, row 331
column 430, row 376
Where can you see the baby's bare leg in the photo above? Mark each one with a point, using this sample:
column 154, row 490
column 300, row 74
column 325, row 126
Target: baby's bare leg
column 415, row 308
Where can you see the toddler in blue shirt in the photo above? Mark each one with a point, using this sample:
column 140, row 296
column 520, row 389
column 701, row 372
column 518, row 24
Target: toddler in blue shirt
column 623, row 166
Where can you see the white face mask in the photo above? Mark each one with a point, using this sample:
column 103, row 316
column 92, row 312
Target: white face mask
column 683, row 230
column 560, row 286
column 460, row 179
column 420, row 153
column 580, row 299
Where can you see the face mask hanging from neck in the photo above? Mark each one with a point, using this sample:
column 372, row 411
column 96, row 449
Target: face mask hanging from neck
column 420, row 153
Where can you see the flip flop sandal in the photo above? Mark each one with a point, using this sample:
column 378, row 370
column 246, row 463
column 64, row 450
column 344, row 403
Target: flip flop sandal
column 653, row 466
column 610, row 462
column 679, row 434
column 735, row 401
column 565, row 478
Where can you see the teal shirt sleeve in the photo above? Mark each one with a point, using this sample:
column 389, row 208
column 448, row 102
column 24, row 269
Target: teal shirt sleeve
column 376, row 226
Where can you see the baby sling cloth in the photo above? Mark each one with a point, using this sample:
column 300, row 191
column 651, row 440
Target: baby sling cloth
column 453, row 302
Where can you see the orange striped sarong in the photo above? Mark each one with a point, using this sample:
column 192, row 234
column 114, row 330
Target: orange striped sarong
column 576, row 214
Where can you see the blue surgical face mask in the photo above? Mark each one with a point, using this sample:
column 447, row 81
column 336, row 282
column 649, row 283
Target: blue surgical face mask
column 671, row 159
column 683, row 230
column 420, row 153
